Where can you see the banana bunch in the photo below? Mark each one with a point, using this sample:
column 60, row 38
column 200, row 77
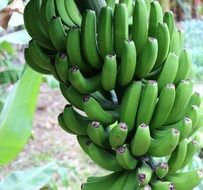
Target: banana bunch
column 126, row 77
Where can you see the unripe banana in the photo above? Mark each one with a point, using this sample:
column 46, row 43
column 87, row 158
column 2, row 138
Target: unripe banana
column 105, row 32
column 120, row 27
column 140, row 18
column 125, row 159
column 161, row 170
column 177, row 157
column 74, row 121
column 83, row 85
column 163, row 146
column 169, row 71
column 88, row 36
column 93, row 179
column 155, row 17
column 175, row 42
column 118, row 135
column 170, row 21
column 147, row 58
column 131, row 183
column 97, row 134
column 128, row 63
column 162, row 185
column 195, row 99
column 186, row 180
column 150, row 90
column 163, row 39
column 182, row 38
column 63, row 125
column 163, row 106
column 109, row 73
column 129, row 104
column 144, row 174
column 57, row 33
column 111, row 3
column 141, row 140
column 129, row 5
column 120, row 182
column 96, row 113
column 145, row 187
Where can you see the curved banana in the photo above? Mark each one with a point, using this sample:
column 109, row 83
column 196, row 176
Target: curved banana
column 131, row 183
column 170, row 21
column 129, row 104
column 109, row 72
column 140, row 18
column 175, row 42
column 162, row 185
column 96, row 113
column 88, row 39
column 63, row 125
column 120, row 182
column 147, row 58
column 111, row 3
column 145, row 187
column 161, row 170
column 141, row 137
column 163, row 106
column 150, row 90
column 118, row 135
column 182, row 38
column 169, row 71
column 83, row 85
column 144, row 174
column 120, row 27
column 105, row 32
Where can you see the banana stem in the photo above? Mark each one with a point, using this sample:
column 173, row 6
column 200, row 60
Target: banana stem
column 94, row 5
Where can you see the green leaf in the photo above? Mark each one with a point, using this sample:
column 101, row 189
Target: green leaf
column 30, row 179
column 17, row 115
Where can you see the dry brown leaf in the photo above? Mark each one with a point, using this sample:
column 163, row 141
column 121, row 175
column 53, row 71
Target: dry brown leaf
column 6, row 13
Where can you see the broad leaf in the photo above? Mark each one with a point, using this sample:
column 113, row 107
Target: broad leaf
column 17, row 115
column 30, row 179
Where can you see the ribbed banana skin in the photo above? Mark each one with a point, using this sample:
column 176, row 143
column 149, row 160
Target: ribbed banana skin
column 177, row 157
column 163, row 106
column 129, row 5
column 109, row 73
column 169, row 71
column 105, row 32
column 147, row 58
column 88, row 39
column 163, row 39
column 170, row 21
column 142, row 134
column 130, row 103
column 144, row 174
column 162, row 185
column 184, row 67
column 186, row 180
column 120, row 25
column 131, row 183
column 161, row 170
column 140, row 18
column 57, row 33
column 125, row 159
column 155, row 17
column 148, row 100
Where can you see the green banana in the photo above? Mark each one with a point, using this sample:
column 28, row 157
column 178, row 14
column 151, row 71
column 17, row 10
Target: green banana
column 97, row 134
column 118, row 135
column 195, row 99
column 155, row 17
column 175, row 42
column 84, row 142
column 111, row 3
column 144, row 174
column 57, row 33
column 74, row 51
column 161, row 170
column 95, row 112
column 163, row 39
column 192, row 148
column 63, row 125
column 105, row 32
column 183, row 94
column 169, row 71
column 120, row 27
column 140, row 18
column 162, row 185
column 129, row 104
column 147, row 58
column 177, row 157
column 170, row 21
column 128, row 63
column 109, row 73
column 184, row 67
column 125, row 159
column 131, row 183
column 120, row 182
column 84, row 85
column 148, row 5
column 163, row 106
column 186, row 180
column 164, row 145
column 61, row 9
column 141, row 137
column 182, row 38
column 73, row 11
column 88, row 39
column 93, row 179
column 150, row 90
column 145, row 187
column 74, row 121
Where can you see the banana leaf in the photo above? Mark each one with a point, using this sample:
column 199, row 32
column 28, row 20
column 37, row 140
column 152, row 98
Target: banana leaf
column 17, row 115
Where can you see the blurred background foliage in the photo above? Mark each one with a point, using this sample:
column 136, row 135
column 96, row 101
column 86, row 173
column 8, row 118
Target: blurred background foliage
column 56, row 170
